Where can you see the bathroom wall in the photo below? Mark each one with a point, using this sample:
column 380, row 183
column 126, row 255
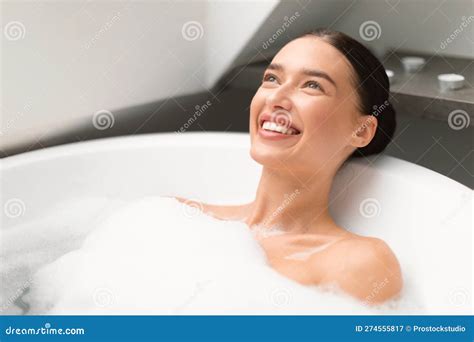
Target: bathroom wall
column 64, row 61
column 422, row 25
column 231, row 24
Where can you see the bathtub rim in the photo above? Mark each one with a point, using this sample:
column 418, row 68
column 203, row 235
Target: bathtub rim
column 113, row 143
column 205, row 139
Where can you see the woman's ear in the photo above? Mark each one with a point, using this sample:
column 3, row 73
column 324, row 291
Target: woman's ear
column 365, row 129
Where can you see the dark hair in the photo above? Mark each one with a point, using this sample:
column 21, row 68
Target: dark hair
column 372, row 86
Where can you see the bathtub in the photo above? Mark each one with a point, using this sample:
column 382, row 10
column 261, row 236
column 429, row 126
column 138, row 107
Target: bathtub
column 424, row 216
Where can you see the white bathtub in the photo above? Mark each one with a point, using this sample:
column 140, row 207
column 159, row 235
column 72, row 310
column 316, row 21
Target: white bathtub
column 424, row 216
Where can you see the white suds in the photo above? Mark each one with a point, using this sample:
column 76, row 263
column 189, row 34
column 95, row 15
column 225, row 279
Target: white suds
column 155, row 256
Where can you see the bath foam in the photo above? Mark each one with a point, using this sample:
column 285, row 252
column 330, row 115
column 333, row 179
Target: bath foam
column 26, row 247
column 159, row 256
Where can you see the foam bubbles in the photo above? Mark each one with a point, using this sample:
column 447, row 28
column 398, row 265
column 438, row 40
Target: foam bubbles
column 148, row 257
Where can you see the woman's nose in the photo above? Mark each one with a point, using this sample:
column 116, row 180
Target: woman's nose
column 279, row 99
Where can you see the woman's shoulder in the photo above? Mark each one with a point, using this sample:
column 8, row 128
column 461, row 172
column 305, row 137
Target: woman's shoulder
column 359, row 245
column 365, row 267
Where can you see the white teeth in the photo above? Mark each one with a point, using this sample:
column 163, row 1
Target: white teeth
column 272, row 126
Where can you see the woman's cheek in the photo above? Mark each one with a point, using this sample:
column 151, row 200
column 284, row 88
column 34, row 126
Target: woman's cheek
column 256, row 107
column 257, row 102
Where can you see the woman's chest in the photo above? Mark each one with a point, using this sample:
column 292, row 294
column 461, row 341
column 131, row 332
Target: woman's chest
column 305, row 263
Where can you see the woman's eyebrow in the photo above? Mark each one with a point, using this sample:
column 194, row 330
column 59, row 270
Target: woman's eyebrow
column 305, row 71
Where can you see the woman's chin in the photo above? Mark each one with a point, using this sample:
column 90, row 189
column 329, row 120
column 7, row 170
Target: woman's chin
column 267, row 155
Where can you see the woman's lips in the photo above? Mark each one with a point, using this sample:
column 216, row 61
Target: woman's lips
column 270, row 135
column 281, row 117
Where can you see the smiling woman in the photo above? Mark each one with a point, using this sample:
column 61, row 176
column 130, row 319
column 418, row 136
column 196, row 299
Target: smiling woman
column 313, row 111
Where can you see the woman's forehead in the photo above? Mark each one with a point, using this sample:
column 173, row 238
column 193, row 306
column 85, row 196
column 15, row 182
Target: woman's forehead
column 314, row 53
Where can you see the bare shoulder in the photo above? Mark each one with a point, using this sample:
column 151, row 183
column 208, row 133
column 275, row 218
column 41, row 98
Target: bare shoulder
column 364, row 267
column 222, row 212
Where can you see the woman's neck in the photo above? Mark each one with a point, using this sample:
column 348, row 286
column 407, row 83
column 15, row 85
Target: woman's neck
column 291, row 202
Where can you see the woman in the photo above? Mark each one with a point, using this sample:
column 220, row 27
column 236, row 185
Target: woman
column 313, row 111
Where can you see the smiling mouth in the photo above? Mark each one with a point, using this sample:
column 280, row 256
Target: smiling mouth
column 274, row 127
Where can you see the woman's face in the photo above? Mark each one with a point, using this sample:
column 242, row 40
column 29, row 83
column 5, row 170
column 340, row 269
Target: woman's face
column 306, row 87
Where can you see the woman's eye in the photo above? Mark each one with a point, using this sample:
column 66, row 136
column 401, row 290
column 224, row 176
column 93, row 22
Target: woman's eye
column 314, row 85
column 269, row 78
